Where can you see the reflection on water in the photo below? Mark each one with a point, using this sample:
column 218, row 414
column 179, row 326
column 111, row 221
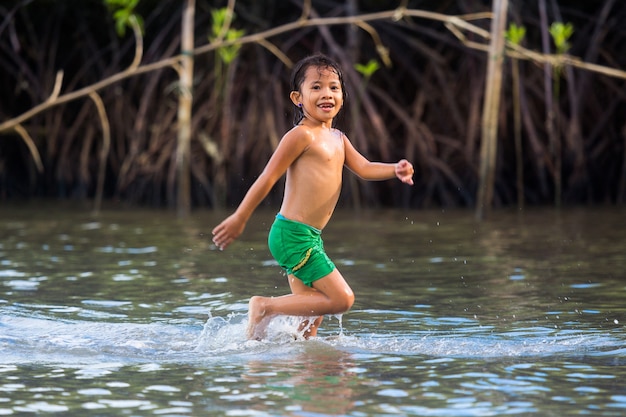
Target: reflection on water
column 137, row 313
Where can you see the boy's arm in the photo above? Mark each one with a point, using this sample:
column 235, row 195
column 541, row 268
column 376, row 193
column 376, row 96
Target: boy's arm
column 368, row 170
column 288, row 150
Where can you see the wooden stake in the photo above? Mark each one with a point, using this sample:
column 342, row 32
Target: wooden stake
column 185, row 100
column 493, row 86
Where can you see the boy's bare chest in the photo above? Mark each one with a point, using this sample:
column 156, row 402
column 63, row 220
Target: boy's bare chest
column 328, row 149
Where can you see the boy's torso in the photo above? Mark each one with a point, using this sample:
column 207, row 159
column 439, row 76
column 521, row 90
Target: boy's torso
column 314, row 180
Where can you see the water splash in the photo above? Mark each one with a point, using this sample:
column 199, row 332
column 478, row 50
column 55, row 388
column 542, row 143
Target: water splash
column 46, row 340
column 480, row 347
column 228, row 334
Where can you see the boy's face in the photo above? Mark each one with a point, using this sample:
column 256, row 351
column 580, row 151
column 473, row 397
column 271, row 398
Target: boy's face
column 320, row 93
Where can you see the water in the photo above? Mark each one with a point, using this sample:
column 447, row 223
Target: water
column 135, row 313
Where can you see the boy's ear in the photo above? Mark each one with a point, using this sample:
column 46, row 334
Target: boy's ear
column 295, row 97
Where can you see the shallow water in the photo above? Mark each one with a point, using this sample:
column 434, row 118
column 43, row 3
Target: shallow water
column 137, row 313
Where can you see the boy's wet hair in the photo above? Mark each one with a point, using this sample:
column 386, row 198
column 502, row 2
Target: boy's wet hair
column 322, row 62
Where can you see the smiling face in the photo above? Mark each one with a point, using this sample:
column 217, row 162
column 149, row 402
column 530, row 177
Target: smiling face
column 318, row 91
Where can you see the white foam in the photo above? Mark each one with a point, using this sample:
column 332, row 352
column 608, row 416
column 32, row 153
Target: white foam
column 75, row 342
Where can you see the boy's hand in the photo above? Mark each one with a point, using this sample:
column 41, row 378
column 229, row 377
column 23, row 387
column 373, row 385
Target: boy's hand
column 227, row 231
column 404, row 171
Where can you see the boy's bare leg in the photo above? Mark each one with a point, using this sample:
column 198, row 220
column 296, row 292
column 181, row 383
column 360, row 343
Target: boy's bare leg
column 258, row 319
column 329, row 295
column 298, row 287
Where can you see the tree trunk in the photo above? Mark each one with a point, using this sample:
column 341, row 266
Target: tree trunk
column 183, row 203
column 493, row 86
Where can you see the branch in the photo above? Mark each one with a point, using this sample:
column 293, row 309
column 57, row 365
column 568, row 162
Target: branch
column 85, row 91
column 519, row 52
column 138, row 43
column 57, row 86
column 456, row 24
column 106, row 145
column 31, row 146
column 277, row 52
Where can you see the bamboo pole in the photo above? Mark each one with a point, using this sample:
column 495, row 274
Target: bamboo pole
column 493, row 86
column 185, row 100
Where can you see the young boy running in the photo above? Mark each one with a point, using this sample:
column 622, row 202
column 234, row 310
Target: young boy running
column 312, row 154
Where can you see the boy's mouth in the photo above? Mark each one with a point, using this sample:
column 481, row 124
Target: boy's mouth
column 326, row 106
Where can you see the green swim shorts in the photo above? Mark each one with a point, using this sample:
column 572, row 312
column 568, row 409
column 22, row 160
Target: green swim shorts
column 298, row 248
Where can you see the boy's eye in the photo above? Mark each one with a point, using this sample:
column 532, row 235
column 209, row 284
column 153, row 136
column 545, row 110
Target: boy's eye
column 332, row 87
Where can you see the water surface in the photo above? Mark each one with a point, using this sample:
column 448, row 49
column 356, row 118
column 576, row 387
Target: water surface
column 134, row 312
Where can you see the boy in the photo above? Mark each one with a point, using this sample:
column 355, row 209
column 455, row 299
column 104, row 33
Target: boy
column 312, row 154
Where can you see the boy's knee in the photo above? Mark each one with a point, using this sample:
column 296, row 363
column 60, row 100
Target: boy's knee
column 346, row 301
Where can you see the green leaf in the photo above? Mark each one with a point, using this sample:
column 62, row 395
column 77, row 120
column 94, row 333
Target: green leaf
column 123, row 12
column 561, row 32
column 226, row 54
column 367, row 70
column 219, row 18
column 515, row 34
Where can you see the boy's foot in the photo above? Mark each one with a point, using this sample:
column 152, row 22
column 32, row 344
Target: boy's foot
column 309, row 327
column 257, row 320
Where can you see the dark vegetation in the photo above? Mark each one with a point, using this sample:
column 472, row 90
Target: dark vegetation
column 426, row 106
